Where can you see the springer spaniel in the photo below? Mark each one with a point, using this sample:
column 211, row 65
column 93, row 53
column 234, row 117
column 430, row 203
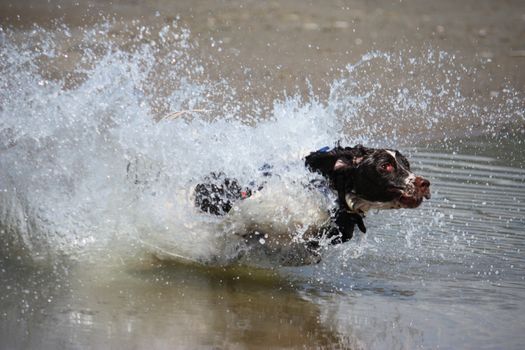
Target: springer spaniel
column 361, row 179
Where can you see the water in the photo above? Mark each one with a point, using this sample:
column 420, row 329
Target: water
column 93, row 257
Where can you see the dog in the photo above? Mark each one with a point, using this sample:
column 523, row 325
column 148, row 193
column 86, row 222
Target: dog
column 361, row 179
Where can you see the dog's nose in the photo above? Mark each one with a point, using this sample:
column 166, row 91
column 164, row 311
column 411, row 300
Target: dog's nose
column 422, row 183
column 423, row 186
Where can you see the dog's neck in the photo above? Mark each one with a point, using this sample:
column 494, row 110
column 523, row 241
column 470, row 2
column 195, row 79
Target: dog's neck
column 362, row 206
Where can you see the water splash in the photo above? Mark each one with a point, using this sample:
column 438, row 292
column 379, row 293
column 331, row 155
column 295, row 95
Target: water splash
column 81, row 107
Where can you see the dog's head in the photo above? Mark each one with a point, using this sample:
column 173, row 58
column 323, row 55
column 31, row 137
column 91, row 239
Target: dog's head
column 384, row 176
column 371, row 178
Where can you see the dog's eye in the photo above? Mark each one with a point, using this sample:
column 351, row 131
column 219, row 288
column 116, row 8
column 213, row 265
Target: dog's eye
column 387, row 167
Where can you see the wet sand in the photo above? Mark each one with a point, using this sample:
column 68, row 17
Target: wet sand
column 281, row 45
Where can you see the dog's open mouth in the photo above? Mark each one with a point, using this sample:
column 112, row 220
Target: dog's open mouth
column 413, row 197
column 414, row 200
column 408, row 201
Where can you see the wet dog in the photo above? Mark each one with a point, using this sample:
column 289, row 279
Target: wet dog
column 361, row 178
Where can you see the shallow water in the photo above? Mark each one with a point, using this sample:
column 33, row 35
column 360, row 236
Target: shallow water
column 449, row 274
column 81, row 237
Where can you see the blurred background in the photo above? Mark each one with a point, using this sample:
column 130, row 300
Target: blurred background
column 280, row 45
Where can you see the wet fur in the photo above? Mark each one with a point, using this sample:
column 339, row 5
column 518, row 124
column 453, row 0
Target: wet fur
column 354, row 174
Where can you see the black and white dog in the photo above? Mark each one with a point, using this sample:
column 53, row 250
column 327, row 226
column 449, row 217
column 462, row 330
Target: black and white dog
column 361, row 179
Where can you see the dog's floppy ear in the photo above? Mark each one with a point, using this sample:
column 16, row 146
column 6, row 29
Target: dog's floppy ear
column 323, row 162
column 333, row 161
column 337, row 159
column 344, row 162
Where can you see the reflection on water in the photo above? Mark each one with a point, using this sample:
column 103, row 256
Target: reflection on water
column 173, row 306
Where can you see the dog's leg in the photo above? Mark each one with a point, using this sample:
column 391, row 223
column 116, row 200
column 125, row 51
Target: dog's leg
column 344, row 224
column 217, row 194
column 346, row 221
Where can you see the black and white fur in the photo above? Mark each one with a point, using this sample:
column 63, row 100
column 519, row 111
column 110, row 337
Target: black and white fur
column 361, row 179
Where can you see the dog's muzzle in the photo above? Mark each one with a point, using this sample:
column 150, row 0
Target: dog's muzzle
column 416, row 191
